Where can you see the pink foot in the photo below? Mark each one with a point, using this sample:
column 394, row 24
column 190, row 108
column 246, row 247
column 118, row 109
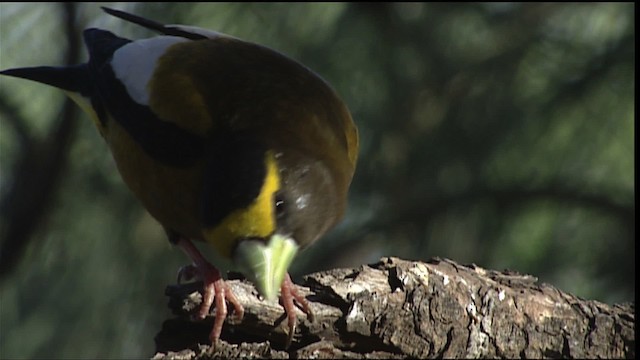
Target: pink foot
column 288, row 293
column 215, row 288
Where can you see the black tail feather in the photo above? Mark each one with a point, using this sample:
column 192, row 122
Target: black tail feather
column 101, row 45
column 152, row 25
column 70, row 78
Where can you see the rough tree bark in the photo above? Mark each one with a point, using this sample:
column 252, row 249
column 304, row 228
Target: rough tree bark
column 399, row 309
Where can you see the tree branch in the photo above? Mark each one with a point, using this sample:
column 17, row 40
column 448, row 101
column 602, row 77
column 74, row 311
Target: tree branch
column 398, row 309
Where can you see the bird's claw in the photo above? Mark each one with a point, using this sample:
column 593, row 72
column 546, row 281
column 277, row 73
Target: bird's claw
column 214, row 289
column 288, row 294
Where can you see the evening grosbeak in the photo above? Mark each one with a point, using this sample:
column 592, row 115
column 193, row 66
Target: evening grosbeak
column 223, row 141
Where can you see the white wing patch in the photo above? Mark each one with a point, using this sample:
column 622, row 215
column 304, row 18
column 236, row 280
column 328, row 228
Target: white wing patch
column 134, row 64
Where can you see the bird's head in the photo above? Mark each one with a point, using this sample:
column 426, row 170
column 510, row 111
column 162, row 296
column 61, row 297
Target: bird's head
column 262, row 205
column 240, row 210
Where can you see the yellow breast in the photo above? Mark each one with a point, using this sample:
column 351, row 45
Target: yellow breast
column 170, row 194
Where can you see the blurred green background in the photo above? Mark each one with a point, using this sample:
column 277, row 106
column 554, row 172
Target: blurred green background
column 500, row 134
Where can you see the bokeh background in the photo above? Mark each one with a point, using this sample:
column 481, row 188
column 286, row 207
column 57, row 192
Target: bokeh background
column 497, row 134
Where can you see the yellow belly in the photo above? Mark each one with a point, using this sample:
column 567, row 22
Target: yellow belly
column 170, row 194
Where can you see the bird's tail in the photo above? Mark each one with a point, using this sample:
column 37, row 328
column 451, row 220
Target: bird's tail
column 77, row 78
column 77, row 81
column 69, row 78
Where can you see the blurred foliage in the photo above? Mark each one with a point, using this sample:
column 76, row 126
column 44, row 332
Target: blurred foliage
column 500, row 134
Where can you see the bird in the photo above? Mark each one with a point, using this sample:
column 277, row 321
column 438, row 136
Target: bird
column 223, row 141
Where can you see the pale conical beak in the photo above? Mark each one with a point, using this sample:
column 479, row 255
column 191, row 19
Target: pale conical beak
column 266, row 263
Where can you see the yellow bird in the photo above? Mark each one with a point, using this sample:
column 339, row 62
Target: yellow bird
column 223, row 141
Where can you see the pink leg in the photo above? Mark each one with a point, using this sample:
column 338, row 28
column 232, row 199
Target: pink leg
column 214, row 289
column 288, row 293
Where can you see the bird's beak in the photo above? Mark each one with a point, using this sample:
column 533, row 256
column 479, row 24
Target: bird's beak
column 265, row 263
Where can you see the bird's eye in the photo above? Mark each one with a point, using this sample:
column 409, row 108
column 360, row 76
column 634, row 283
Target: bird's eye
column 280, row 205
